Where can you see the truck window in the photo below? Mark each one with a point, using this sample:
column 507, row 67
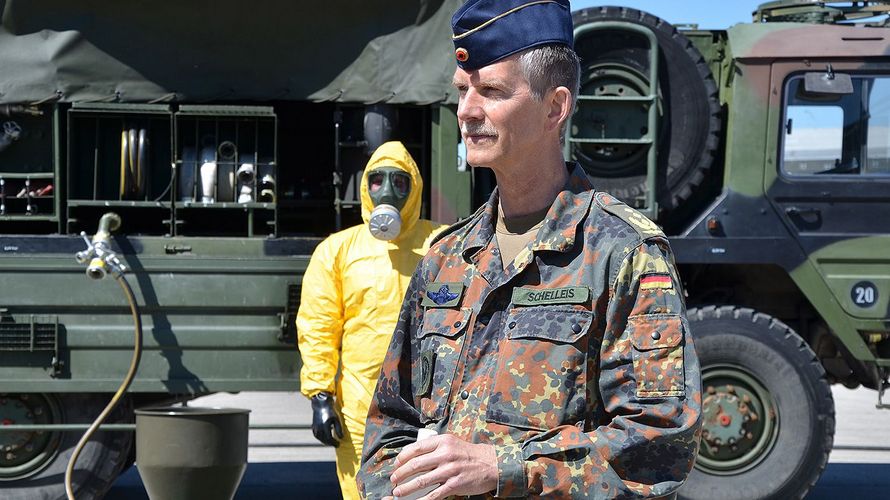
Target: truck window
column 837, row 134
column 814, row 135
column 878, row 139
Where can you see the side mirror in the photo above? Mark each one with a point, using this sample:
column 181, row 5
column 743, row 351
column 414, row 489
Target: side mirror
column 829, row 83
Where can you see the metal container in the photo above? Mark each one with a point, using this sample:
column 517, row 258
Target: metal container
column 191, row 453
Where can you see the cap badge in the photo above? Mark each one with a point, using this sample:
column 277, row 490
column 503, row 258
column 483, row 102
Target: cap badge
column 461, row 54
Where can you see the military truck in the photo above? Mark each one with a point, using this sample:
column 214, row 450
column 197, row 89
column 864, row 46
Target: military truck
column 764, row 154
column 230, row 141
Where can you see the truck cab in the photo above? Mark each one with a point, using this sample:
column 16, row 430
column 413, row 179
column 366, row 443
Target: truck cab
column 767, row 167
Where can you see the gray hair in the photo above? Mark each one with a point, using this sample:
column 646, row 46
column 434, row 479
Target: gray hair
column 546, row 67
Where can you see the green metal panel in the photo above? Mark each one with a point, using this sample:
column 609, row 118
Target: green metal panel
column 711, row 45
column 848, row 262
column 613, row 110
column 812, row 284
column 120, row 108
column 451, row 190
column 771, row 41
column 746, row 139
column 216, row 111
column 213, row 319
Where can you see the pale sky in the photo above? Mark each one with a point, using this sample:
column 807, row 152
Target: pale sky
column 708, row 14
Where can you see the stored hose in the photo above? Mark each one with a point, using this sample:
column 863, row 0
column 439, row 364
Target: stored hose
column 134, row 162
column 134, row 365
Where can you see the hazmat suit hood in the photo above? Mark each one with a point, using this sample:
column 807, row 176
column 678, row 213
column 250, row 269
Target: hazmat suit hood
column 394, row 154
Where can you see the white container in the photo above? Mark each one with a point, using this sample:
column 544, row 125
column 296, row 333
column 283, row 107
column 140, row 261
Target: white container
column 208, row 182
column 246, row 176
column 421, row 434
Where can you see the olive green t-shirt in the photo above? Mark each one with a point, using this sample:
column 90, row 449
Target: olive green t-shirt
column 515, row 233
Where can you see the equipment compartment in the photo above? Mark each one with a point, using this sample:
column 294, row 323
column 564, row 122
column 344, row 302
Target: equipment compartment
column 226, row 170
column 28, row 185
column 74, row 162
column 119, row 155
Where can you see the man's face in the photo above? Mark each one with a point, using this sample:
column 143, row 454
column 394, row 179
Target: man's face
column 500, row 121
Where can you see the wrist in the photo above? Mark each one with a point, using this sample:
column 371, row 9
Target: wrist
column 322, row 399
column 511, row 476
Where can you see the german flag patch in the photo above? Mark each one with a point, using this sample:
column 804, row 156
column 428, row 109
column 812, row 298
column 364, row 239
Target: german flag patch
column 656, row 282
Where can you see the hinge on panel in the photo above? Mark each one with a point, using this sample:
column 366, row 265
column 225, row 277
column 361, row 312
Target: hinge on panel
column 288, row 318
column 174, row 249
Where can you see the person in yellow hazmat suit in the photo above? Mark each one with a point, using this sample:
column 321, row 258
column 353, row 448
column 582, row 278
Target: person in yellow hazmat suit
column 351, row 295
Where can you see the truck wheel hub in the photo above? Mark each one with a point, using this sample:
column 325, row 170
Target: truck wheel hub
column 23, row 453
column 739, row 421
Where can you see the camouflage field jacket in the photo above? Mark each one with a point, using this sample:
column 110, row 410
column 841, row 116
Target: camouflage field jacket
column 575, row 362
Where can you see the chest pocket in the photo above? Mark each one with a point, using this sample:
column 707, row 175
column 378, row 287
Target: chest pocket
column 657, row 354
column 441, row 340
column 542, row 368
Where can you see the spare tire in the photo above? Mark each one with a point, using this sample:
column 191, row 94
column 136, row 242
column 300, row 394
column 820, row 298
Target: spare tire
column 615, row 62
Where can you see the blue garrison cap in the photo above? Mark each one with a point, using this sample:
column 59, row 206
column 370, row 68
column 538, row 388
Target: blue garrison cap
column 486, row 31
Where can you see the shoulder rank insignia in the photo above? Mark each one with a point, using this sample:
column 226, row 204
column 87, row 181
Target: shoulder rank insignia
column 439, row 294
column 635, row 219
column 656, row 282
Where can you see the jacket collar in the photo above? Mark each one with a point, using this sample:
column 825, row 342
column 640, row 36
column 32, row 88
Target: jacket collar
column 558, row 231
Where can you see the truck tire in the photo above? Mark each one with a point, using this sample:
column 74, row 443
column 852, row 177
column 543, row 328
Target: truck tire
column 767, row 408
column 616, row 63
column 100, row 461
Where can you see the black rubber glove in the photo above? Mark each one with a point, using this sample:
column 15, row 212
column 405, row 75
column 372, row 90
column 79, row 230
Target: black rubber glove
column 325, row 420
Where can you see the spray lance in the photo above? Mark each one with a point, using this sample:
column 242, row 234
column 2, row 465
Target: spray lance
column 100, row 258
column 98, row 253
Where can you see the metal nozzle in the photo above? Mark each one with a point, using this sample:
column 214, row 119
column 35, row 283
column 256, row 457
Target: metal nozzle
column 96, row 269
column 109, row 223
column 98, row 252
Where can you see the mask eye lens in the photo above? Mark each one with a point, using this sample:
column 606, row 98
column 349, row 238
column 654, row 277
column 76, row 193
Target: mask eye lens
column 375, row 182
column 402, row 184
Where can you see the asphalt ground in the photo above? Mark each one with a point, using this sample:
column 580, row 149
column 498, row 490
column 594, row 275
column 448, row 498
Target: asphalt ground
column 288, row 464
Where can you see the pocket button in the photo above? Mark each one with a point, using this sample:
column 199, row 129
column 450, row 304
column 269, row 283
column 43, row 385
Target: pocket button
column 464, row 394
column 655, row 335
column 576, row 328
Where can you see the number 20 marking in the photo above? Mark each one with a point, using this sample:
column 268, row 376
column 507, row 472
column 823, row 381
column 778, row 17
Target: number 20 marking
column 864, row 294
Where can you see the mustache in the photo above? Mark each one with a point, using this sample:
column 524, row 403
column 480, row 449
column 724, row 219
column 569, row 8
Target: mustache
column 477, row 128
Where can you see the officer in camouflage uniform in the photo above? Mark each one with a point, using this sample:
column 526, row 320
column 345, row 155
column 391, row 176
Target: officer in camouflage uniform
column 544, row 339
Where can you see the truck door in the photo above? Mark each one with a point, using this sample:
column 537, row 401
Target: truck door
column 832, row 184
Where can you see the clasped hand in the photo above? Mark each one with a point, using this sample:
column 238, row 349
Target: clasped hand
column 458, row 467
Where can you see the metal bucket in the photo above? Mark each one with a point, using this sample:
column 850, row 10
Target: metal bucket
column 187, row 453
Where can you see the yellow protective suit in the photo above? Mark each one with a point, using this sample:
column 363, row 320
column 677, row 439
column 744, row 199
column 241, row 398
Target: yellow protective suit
column 351, row 295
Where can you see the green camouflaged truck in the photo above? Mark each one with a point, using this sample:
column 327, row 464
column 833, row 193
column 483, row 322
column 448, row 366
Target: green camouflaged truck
column 764, row 153
column 763, row 150
column 230, row 139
